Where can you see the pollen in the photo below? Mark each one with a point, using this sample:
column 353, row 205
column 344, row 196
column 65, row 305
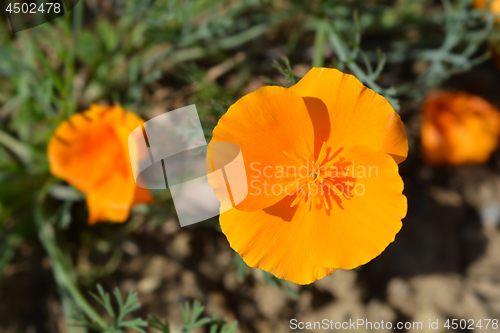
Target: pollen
column 327, row 178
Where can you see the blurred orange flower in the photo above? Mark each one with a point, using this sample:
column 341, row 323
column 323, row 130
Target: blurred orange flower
column 458, row 128
column 90, row 151
column 310, row 208
column 494, row 6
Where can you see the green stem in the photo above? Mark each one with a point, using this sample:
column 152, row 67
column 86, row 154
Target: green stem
column 341, row 50
column 173, row 57
column 78, row 18
column 61, row 272
column 17, row 147
column 69, row 308
column 319, row 46
column 9, row 246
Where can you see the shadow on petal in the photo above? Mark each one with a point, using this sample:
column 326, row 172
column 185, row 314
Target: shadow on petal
column 282, row 209
column 320, row 119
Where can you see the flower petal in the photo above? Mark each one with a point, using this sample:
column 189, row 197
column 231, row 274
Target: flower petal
column 83, row 150
column 90, row 151
column 142, row 196
column 357, row 114
column 458, row 128
column 272, row 239
column 111, row 200
column 265, row 124
column 303, row 245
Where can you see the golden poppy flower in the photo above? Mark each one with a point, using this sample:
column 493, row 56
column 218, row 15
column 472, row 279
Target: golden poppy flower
column 494, row 5
column 322, row 170
column 458, row 128
column 90, row 151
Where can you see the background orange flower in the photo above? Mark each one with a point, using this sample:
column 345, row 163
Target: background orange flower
column 459, row 128
column 494, row 5
column 90, row 151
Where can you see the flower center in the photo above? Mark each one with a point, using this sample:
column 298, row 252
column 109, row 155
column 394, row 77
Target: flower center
column 319, row 181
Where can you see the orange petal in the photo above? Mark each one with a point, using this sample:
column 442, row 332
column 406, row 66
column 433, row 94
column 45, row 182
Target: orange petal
column 459, row 128
column 494, row 5
column 357, row 115
column 82, row 152
column 90, row 151
column 265, row 124
column 303, row 245
column 272, row 239
column 142, row 196
column 111, row 200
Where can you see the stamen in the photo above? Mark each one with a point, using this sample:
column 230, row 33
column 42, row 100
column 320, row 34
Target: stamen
column 325, row 202
column 332, row 159
column 335, row 179
column 295, row 156
column 299, row 197
column 322, row 154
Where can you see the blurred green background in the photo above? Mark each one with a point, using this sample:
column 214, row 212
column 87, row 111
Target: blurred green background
column 156, row 56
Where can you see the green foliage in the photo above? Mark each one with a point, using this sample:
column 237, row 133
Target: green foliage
column 192, row 321
column 156, row 323
column 465, row 33
column 192, row 318
column 242, row 268
column 341, row 26
column 348, row 56
column 284, row 69
column 283, row 285
column 243, row 271
column 120, row 309
column 214, row 327
column 119, row 323
column 214, row 24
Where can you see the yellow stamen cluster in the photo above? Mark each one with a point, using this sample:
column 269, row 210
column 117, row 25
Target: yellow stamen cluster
column 327, row 178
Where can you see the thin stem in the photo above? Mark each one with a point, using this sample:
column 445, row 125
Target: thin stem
column 78, row 18
column 19, row 149
column 61, row 272
column 342, row 52
column 319, row 46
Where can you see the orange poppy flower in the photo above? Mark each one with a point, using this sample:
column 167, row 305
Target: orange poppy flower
column 494, row 6
column 458, row 128
column 90, row 151
column 322, row 170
